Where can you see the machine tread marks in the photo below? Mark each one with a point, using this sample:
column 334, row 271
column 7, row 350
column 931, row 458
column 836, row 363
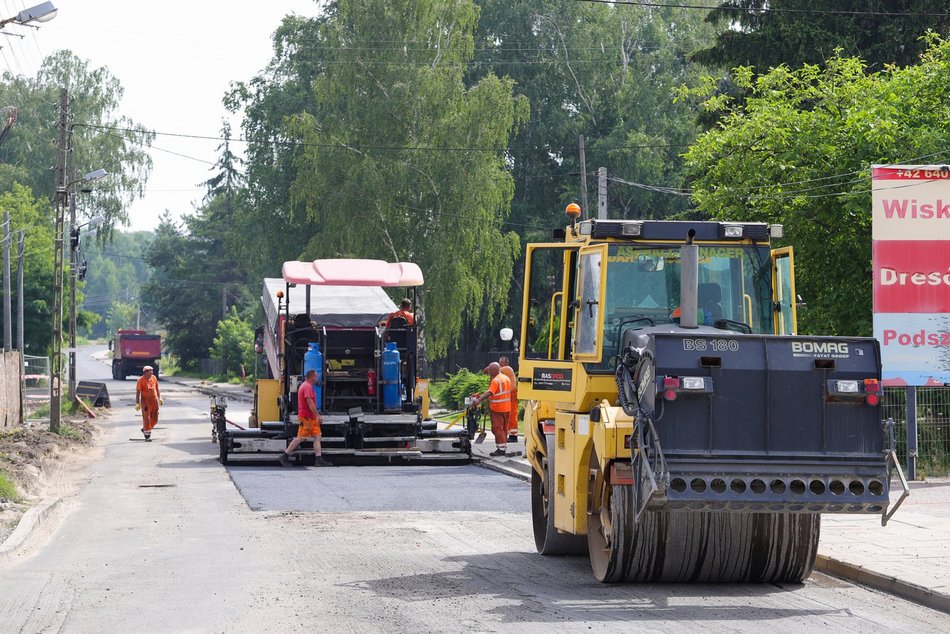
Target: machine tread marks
column 547, row 539
column 696, row 547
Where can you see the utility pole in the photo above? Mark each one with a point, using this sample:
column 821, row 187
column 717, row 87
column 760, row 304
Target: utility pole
column 73, row 239
column 584, row 208
column 7, row 312
column 56, row 343
column 602, row 193
column 19, row 295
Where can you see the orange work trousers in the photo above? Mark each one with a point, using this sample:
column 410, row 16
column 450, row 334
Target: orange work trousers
column 499, row 427
column 513, row 415
column 149, row 413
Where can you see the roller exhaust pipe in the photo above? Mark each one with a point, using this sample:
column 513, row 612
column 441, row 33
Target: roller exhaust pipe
column 689, row 281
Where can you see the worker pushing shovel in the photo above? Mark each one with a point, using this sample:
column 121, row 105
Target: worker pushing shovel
column 499, row 395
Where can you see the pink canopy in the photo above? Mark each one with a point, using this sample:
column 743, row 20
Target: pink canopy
column 346, row 272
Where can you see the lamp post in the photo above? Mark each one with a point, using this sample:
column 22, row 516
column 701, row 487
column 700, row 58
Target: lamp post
column 42, row 12
column 73, row 247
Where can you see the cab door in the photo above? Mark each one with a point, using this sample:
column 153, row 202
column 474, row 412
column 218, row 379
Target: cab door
column 588, row 303
column 545, row 371
column 783, row 291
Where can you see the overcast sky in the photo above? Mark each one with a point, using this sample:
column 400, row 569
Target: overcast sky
column 175, row 60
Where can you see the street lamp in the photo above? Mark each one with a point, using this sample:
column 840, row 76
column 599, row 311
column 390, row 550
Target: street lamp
column 56, row 344
column 42, row 12
column 73, row 248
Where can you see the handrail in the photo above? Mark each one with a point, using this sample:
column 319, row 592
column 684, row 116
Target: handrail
column 551, row 322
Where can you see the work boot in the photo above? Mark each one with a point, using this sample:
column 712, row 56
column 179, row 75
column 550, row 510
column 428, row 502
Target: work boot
column 513, row 438
column 283, row 459
column 320, row 462
column 501, row 451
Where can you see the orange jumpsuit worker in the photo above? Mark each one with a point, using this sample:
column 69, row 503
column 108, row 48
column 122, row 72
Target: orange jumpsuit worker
column 508, row 371
column 148, row 397
column 499, row 395
column 405, row 312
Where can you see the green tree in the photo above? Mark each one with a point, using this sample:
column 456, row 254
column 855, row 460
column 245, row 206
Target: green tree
column 233, row 345
column 31, row 215
column 768, row 33
column 798, row 152
column 402, row 161
column 115, row 273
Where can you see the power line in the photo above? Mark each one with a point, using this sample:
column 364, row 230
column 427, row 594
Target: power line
column 658, row 5
column 347, row 146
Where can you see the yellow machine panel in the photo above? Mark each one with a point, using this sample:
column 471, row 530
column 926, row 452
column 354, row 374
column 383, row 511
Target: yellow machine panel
column 571, row 450
column 267, row 391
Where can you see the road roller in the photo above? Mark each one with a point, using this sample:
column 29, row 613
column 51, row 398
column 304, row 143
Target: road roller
column 678, row 427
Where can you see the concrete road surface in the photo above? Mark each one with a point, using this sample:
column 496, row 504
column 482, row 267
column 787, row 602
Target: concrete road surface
column 157, row 538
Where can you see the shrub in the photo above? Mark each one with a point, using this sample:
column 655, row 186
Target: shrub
column 460, row 385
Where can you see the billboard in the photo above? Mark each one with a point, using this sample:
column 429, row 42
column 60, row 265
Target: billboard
column 911, row 261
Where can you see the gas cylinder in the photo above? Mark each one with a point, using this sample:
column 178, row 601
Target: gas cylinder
column 313, row 360
column 390, row 377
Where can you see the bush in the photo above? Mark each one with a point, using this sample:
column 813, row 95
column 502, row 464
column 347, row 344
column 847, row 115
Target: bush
column 460, row 385
column 234, row 345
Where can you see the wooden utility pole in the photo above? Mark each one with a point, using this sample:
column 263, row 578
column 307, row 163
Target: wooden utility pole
column 19, row 294
column 584, row 208
column 56, row 343
column 7, row 303
column 71, row 392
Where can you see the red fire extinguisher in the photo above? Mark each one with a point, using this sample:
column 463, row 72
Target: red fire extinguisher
column 371, row 382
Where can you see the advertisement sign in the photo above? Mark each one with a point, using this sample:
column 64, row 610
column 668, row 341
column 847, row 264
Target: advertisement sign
column 911, row 262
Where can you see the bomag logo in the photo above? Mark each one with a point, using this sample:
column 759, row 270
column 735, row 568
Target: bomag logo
column 820, row 349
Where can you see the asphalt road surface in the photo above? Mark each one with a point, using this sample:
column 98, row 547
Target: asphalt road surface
column 160, row 537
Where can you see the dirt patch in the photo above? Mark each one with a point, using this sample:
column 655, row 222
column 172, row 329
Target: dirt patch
column 28, row 458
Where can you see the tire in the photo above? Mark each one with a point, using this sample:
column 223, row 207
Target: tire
column 223, row 448
column 547, row 539
column 155, row 370
column 115, row 371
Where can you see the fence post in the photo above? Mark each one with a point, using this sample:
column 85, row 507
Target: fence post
column 911, row 432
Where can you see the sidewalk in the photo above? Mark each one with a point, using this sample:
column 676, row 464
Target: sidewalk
column 910, row 557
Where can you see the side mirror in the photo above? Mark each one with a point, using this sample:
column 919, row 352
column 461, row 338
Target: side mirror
column 110, row 344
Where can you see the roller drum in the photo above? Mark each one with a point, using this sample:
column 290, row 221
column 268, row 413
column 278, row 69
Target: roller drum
column 700, row 546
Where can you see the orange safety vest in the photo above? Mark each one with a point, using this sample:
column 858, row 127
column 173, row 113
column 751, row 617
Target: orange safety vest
column 500, row 388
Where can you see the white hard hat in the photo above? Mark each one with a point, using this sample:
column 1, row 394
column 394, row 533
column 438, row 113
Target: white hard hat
column 148, row 367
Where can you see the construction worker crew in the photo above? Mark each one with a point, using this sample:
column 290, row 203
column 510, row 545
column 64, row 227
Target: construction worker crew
column 508, row 371
column 148, row 398
column 499, row 395
column 405, row 312
column 309, row 422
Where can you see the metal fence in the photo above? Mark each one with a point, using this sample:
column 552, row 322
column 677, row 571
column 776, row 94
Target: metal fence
column 932, row 455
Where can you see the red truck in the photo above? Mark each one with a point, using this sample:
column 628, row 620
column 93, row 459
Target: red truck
column 132, row 350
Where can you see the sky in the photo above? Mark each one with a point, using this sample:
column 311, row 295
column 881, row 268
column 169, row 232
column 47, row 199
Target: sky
column 175, row 60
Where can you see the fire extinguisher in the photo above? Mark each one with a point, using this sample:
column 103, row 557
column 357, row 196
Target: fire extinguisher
column 371, row 382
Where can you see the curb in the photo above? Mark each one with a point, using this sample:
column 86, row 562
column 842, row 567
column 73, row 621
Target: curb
column 884, row 583
column 237, row 396
column 29, row 521
column 507, row 469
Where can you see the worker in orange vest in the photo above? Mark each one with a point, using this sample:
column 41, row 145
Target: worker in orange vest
column 499, row 395
column 148, row 397
column 508, row 371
